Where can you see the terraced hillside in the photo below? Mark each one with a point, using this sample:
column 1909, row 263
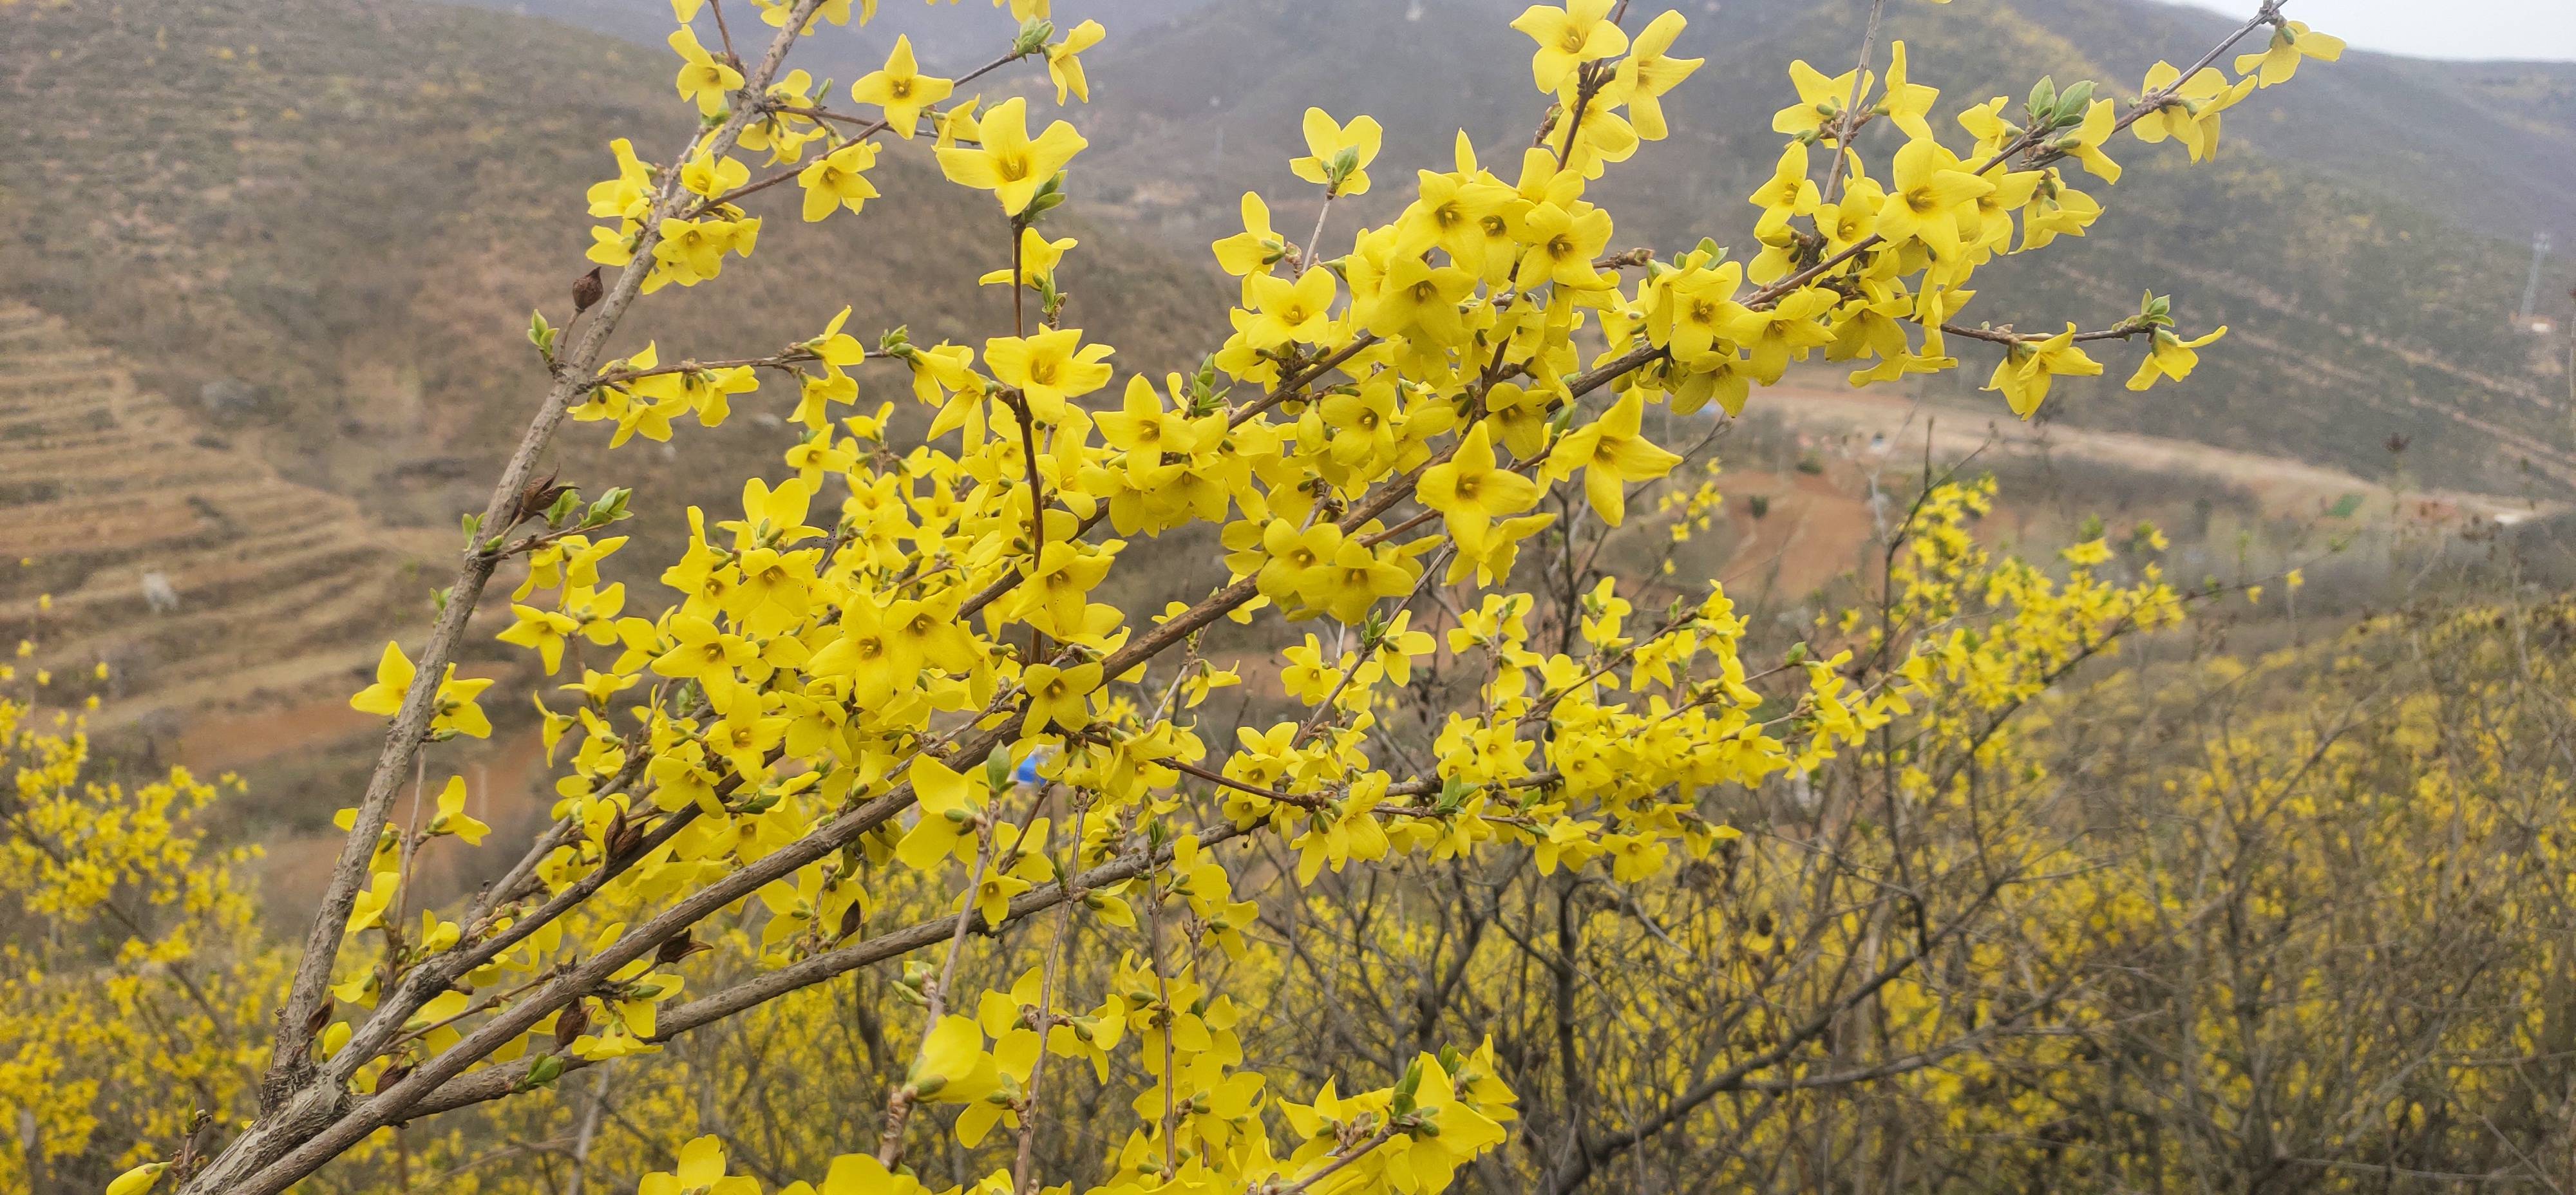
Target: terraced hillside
column 203, row 578
column 236, row 607
column 319, row 226
column 310, row 233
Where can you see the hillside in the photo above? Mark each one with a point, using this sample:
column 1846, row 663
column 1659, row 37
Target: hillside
column 2364, row 234
column 192, row 569
column 262, row 310
column 2417, row 130
column 2356, row 313
column 948, row 31
column 322, row 223
column 2407, row 128
column 313, row 229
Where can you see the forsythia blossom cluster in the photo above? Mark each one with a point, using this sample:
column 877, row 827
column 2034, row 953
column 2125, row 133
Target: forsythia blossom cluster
column 895, row 667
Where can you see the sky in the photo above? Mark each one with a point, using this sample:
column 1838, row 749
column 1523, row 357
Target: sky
column 2438, row 28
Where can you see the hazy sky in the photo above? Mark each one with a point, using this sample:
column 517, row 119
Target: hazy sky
column 2438, row 28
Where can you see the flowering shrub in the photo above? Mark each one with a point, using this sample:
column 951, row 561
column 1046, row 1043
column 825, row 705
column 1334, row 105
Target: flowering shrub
column 888, row 719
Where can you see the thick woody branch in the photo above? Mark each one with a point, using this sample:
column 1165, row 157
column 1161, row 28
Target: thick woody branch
column 290, row 1072
column 498, row 1082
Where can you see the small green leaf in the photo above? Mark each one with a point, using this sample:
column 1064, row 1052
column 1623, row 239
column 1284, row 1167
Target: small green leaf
column 565, row 503
column 610, row 508
column 543, row 1071
column 2071, row 103
column 2043, row 100
column 1034, row 33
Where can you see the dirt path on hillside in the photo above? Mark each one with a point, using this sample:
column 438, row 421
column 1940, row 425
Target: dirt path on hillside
column 2282, row 485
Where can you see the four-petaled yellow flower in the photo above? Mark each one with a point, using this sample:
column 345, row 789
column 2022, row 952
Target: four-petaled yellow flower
column 452, row 818
column 1256, row 248
column 1059, row 696
column 838, row 180
column 1337, row 154
column 1569, row 37
column 1038, row 258
column 1648, row 72
column 2291, row 41
column 1611, row 452
column 949, row 804
column 1048, row 369
column 701, row 1172
column 902, row 90
column 1011, row 164
column 703, row 78
column 2190, row 109
column 1931, row 186
column 1472, row 493
column 1787, row 194
column 1064, row 68
column 1286, row 311
column 1819, row 110
column 2170, row 357
column 2029, row 366
column 953, row 1067
column 452, row 710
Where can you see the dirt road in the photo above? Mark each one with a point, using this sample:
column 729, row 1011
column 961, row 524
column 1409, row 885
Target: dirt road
column 1898, row 426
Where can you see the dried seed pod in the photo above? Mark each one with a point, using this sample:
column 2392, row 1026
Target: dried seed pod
column 572, row 1022
column 673, row 950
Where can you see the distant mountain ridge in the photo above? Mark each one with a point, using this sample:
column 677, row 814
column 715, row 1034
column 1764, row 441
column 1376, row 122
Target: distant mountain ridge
column 2364, row 233
column 268, row 263
column 310, row 232
column 341, row 223
column 2357, row 314
column 339, row 212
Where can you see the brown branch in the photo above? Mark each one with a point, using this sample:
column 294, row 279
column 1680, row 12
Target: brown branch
column 1293, row 384
column 1738, row 1076
column 289, row 1076
column 1850, row 120
column 498, row 1082
column 2006, row 336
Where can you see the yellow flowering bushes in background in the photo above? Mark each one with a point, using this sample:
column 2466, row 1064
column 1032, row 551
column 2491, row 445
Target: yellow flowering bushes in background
column 135, row 984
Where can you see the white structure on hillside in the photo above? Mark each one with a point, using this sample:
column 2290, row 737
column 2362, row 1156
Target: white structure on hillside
column 2528, row 317
column 158, row 594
